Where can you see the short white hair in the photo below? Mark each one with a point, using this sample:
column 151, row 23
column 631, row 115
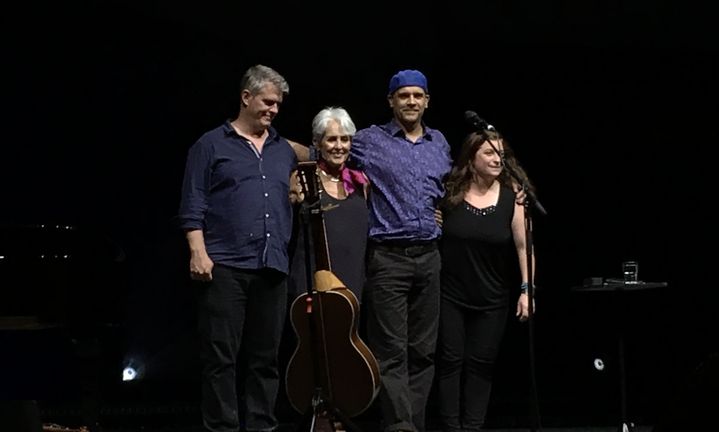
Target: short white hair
column 322, row 119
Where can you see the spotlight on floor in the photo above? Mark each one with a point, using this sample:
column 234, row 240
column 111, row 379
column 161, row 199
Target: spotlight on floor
column 132, row 371
column 599, row 364
column 129, row 373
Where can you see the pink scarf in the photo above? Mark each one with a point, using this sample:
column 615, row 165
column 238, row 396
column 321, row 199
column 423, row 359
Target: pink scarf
column 351, row 179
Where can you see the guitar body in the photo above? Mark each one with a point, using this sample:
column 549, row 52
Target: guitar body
column 329, row 352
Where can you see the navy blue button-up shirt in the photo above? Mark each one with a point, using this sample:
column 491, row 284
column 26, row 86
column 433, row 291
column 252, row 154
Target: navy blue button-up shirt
column 240, row 198
column 406, row 180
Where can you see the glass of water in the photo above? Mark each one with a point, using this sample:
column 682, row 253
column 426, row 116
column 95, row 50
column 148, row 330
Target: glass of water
column 630, row 269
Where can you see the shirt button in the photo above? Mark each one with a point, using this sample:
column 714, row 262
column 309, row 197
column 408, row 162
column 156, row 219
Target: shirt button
column 264, row 177
column 266, row 194
column 268, row 234
column 267, row 215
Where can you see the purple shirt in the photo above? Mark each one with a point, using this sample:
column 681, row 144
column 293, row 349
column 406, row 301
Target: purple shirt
column 406, row 180
column 240, row 198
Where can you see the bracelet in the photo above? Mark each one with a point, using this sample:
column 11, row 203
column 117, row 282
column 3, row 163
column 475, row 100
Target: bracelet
column 525, row 286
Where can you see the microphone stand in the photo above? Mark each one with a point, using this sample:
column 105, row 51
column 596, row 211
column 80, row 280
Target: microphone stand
column 529, row 202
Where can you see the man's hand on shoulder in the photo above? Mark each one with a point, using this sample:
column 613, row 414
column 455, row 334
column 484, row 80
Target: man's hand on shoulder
column 296, row 194
column 438, row 217
column 520, row 193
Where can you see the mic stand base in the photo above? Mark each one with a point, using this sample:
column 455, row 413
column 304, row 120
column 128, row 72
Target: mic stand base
column 322, row 417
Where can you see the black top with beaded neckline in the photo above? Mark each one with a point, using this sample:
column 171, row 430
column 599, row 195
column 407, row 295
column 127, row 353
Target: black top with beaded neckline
column 484, row 211
column 478, row 253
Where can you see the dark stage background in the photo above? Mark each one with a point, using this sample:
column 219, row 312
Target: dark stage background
column 610, row 106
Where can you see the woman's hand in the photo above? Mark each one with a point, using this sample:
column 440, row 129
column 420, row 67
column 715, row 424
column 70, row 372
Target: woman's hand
column 523, row 307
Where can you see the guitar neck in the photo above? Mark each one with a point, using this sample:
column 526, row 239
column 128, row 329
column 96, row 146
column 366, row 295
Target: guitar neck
column 313, row 190
column 319, row 235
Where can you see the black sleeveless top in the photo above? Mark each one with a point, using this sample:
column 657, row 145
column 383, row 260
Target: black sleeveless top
column 346, row 224
column 478, row 253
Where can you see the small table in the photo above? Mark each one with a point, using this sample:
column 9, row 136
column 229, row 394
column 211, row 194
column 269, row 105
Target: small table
column 619, row 288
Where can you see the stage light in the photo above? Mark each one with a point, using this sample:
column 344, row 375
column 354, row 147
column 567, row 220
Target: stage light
column 129, row 373
column 133, row 370
column 599, row 364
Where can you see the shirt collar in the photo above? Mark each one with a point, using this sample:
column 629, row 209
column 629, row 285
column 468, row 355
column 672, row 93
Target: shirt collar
column 229, row 130
column 395, row 129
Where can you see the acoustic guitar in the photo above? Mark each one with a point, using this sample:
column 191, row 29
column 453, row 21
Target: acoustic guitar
column 331, row 364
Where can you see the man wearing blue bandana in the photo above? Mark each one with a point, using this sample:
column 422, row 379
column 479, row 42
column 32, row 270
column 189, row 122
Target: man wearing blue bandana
column 406, row 162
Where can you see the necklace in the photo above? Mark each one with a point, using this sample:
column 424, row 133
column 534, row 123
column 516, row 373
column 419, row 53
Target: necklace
column 480, row 211
column 329, row 177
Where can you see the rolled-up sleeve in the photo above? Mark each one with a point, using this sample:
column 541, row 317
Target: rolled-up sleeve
column 195, row 187
column 358, row 151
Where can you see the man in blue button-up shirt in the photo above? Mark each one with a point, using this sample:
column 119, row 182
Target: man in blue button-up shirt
column 406, row 162
column 237, row 217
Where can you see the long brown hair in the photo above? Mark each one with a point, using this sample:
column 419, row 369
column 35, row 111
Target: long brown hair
column 460, row 177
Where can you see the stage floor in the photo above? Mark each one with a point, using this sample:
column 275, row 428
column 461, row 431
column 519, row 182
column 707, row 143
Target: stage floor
column 292, row 429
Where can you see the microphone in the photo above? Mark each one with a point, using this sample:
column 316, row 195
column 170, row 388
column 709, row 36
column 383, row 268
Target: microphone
column 476, row 121
column 480, row 124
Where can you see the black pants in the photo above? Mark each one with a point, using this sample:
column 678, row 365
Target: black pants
column 241, row 307
column 468, row 343
column 402, row 297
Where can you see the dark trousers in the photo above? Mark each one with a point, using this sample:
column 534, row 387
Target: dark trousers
column 241, row 307
column 402, row 295
column 468, row 343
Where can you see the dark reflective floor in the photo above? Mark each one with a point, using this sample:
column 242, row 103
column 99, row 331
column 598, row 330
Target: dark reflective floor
column 186, row 418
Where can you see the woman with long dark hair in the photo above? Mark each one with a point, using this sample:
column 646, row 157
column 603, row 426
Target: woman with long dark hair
column 483, row 228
